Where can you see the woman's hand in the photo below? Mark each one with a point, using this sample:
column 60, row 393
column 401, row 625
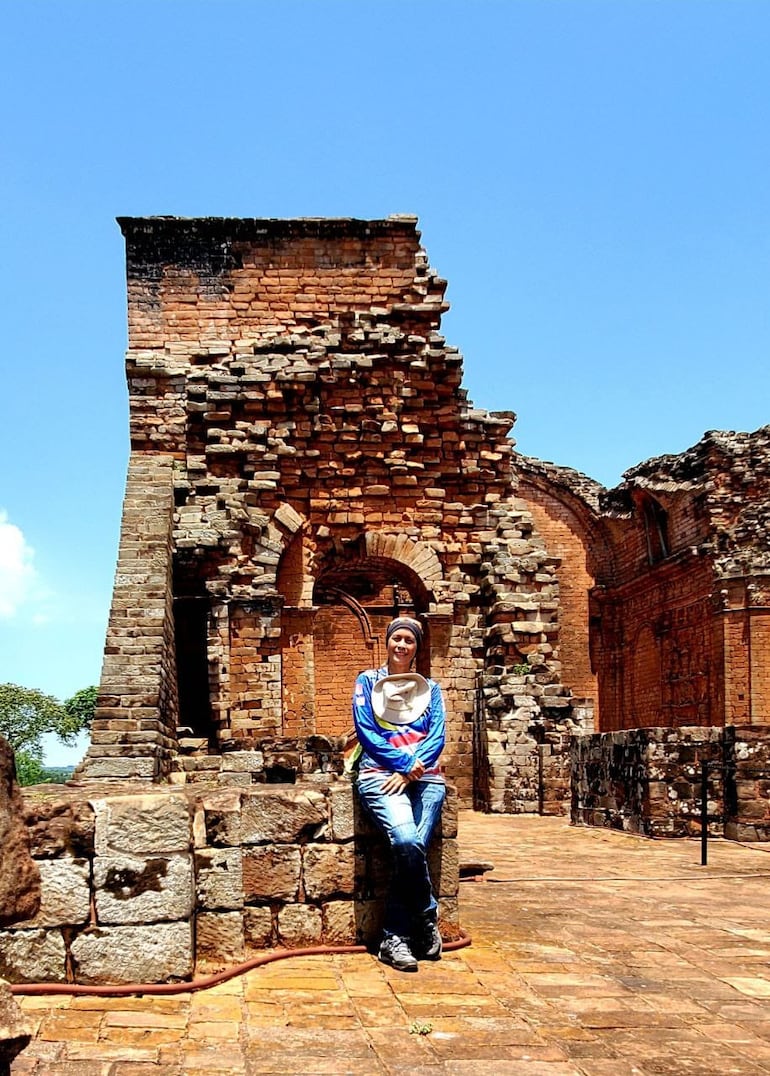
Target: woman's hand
column 417, row 770
column 394, row 784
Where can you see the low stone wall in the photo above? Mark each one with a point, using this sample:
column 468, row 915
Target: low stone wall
column 153, row 885
column 649, row 781
column 747, row 785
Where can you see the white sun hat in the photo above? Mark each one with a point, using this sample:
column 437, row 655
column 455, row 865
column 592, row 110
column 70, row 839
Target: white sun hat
column 401, row 698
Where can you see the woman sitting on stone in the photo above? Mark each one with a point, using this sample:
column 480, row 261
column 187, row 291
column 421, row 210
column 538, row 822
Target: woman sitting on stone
column 400, row 722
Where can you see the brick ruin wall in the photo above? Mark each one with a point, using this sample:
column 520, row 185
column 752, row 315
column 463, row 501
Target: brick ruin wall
column 304, row 462
column 664, row 583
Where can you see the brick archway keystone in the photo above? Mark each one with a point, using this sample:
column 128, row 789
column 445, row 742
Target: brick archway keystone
column 417, row 556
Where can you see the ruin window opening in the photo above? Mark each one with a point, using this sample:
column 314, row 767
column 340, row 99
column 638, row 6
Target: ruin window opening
column 191, row 616
column 655, row 521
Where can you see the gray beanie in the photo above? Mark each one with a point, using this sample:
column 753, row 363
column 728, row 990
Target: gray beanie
column 409, row 624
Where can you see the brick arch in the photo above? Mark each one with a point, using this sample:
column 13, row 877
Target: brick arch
column 418, row 557
column 286, row 533
column 571, row 531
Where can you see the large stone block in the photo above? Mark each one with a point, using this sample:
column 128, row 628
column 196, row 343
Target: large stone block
column 299, row 925
column 59, row 827
column 219, row 938
column 143, row 824
column 119, row 768
column 32, row 956
column 218, row 819
column 65, row 893
column 271, row 873
column 129, row 889
column 339, row 922
column 134, row 954
column 328, row 870
column 258, row 927
column 219, row 878
column 284, row 816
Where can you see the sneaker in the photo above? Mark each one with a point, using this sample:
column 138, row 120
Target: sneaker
column 396, row 952
column 427, row 942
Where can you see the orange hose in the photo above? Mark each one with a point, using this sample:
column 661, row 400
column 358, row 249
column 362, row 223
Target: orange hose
column 116, row 990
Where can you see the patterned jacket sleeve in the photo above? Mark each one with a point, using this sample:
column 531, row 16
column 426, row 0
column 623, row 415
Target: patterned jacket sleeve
column 429, row 749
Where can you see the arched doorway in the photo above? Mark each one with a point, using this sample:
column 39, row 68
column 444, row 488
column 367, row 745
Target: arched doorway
column 326, row 642
column 354, row 603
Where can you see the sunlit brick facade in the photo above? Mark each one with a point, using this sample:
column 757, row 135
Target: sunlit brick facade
column 305, row 463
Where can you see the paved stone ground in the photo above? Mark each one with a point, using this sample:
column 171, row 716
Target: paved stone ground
column 594, row 954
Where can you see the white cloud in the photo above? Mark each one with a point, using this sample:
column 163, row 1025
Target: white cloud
column 18, row 578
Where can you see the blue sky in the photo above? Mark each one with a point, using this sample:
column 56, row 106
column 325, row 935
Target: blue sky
column 591, row 176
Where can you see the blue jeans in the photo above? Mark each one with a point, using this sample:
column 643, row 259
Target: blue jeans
column 407, row 819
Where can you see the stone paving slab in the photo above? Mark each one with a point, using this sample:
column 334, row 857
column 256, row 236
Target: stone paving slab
column 595, row 953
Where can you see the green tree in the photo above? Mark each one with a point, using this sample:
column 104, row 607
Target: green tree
column 26, row 714
column 81, row 707
column 29, row 770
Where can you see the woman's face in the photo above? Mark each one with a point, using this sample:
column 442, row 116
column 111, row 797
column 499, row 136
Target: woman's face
column 402, row 646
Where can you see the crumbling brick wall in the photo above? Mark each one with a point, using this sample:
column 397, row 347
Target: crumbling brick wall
column 291, row 390
column 305, row 463
column 676, row 559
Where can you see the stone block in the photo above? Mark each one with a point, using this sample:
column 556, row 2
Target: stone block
column 15, row 1029
column 283, row 815
column 342, row 811
column 299, row 925
column 65, row 893
column 339, row 922
column 32, row 956
column 271, row 873
column 219, row 878
column 448, row 824
column 258, row 927
column 243, row 762
column 130, row 889
column 369, row 916
column 328, row 870
column 218, row 818
column 142, row 824
column 219, row 938
column 444, row 866
column 60, row 827
column 154, row 953
column 119, row 768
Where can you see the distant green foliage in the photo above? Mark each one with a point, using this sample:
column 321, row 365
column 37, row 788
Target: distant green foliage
column 81, row 707
column 56, row 775
column 29, row 770
column 26, row 715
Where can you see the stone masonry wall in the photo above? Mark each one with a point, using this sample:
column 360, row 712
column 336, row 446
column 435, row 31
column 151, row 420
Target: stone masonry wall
column 649, row 781
column 142, row 886
column 134, row 730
